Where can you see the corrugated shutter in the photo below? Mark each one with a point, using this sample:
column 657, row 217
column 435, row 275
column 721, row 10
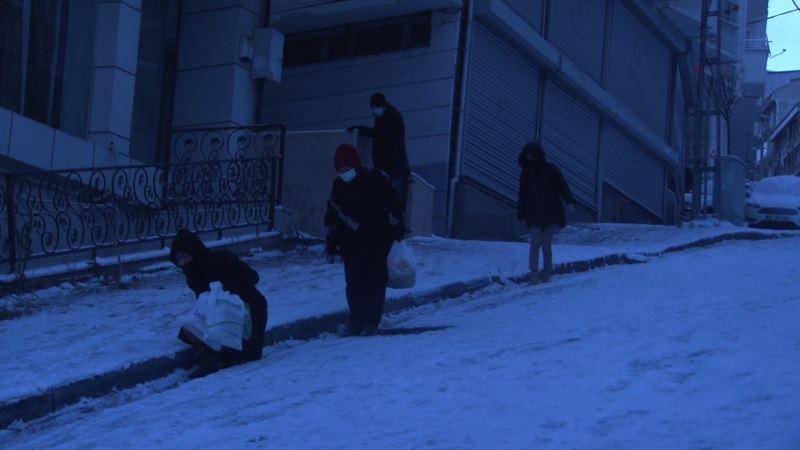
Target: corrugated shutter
column 570, row 136
column 530, row 10
column 639, row 68
column 631, row 170
column 577, row 28
column 500, row 114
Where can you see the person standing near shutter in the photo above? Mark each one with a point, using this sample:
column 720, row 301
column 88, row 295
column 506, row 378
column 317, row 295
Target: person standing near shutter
column 543, row 192
column 363, row 218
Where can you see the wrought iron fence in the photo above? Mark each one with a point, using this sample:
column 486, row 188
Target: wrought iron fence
column 217, row 179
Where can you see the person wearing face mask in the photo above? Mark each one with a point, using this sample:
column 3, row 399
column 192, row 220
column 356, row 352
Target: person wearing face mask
column 388, row 143
column 543, row 194
column 363, row 218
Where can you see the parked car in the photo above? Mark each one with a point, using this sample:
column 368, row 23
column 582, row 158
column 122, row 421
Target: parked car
column 774, row 202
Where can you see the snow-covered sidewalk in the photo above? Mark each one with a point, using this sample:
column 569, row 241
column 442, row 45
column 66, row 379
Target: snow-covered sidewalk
column 71, row 334
column 694, row 350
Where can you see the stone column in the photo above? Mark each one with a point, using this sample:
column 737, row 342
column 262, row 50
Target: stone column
column 213, row 86
column 116, row 47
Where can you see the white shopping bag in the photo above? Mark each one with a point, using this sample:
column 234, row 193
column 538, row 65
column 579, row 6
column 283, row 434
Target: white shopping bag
column 225, row 315
column 402, row 266
column 196, row 322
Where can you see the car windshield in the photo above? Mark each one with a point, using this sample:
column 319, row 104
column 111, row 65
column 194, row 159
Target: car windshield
column 784, row 185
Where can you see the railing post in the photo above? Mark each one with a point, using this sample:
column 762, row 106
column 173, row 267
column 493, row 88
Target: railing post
column 12, row 223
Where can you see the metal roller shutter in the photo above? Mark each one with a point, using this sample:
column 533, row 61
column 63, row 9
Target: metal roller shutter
column 631, row 170
column 500, row 114
column 570, row 136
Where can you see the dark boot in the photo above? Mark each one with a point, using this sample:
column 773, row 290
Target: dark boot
column 208, row 362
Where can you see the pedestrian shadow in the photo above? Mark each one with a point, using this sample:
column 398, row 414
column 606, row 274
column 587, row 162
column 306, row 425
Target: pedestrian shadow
column 400, row 331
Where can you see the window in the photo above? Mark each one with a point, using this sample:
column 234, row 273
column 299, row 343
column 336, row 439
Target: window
column 32, row 38
column 358, row 39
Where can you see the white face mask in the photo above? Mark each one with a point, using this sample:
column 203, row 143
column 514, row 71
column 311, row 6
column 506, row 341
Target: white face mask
column 347, row 176
column 378, row 111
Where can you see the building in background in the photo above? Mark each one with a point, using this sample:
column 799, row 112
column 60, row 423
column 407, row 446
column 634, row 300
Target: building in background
column 779, row 140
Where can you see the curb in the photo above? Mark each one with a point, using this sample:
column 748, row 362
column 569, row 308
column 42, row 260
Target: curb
column 58, row 397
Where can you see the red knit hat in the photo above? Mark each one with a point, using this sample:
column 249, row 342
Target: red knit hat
column 346, row 156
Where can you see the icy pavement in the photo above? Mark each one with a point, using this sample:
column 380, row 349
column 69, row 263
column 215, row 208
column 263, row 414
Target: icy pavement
column 71, row 334
column 693, row 350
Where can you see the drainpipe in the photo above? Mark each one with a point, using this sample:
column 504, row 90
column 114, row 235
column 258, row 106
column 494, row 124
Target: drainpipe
column 457, row 117
column 259, row 113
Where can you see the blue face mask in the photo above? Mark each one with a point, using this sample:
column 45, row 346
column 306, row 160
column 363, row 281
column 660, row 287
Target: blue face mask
column 378, row 111
column 348, row 175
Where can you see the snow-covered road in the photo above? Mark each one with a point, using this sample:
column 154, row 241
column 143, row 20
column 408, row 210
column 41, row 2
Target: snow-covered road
column 697, row 349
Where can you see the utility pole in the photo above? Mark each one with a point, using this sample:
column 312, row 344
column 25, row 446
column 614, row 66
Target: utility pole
column 698, row 167
column 720, row 86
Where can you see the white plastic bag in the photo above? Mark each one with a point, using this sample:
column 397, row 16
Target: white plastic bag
column 402, row 266
column 196, row 322
column 225, row 315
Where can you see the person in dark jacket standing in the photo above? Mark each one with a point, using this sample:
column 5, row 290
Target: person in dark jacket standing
column 202, row 266
column 388, row 143
column 543, row 192
column 363, row 219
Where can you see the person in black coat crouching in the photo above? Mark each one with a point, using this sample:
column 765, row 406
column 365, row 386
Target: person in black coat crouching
column 543, row 194
column 363, row 218
column 202, row 266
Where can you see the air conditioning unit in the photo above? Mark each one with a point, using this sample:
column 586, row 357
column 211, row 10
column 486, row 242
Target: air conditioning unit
column 265, row 53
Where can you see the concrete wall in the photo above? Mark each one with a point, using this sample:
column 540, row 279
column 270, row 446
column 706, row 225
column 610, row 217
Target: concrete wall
column 419, row 82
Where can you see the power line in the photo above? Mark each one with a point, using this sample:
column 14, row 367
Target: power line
column 776, row 15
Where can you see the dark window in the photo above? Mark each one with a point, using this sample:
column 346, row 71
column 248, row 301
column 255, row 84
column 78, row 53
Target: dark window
column 358, row 39
column 303, row 50
column 33, row 48
column 379, row 39
column 10, row 54
column 155, row 80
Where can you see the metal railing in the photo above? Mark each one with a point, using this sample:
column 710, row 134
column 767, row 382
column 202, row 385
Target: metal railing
column 218, row 179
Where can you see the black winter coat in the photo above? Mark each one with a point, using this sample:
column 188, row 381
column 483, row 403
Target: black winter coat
column 543, row 192
column 389, row 143
column 363, row 214
column 218, row 265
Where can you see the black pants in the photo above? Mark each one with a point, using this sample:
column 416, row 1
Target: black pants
column 365, row 273
column 253, row 346
column 401, row 186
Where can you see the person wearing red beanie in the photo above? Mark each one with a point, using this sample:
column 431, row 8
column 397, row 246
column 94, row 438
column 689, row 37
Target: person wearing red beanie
column 346, row 157
column 364, row 217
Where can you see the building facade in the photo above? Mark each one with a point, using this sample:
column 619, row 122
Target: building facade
column 599, row 83
column 776, row 124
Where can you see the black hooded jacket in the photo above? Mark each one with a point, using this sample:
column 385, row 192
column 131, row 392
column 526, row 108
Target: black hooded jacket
column 543, row 191
column 364, row 213
column 218, row 265
column 389, row 143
